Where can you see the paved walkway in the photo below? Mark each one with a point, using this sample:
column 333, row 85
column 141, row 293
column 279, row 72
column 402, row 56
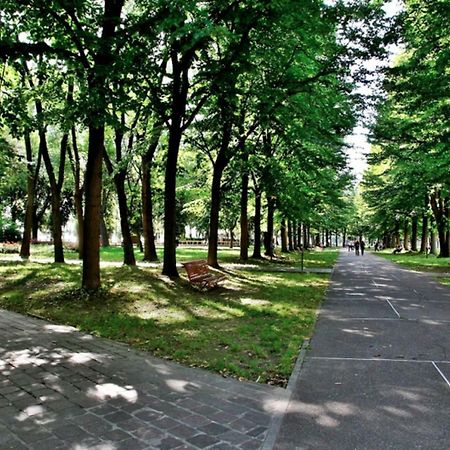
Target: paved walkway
column 377, row 375
column 62, row 389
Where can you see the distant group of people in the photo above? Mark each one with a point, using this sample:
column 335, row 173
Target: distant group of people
column 357, row 245
column 378, row 246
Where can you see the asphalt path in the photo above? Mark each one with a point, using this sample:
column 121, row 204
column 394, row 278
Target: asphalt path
column 377, row 375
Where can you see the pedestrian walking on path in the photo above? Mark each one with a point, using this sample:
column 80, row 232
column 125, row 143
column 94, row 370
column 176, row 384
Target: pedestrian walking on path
column 377, row 375
column 362, row 246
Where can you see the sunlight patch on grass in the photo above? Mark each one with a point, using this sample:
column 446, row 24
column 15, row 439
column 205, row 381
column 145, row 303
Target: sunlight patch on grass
column 250, row 328
column 418, row 261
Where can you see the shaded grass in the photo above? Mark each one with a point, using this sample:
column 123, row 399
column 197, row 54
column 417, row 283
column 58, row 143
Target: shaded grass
column 251, row 328
column 418, row 261
column 312, row 258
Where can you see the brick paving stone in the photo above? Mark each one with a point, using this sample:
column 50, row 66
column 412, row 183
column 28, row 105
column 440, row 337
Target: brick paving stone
column 233, row 437
column 195, row 420
column 203, row 440
column 183, row 431
column 116, row 435
column 170, row 443
column 93, row 424
column 79, row 391
column 259, row 418
column 165, row 423
column 214, row 429
column 117, row 417
column 147, row 433
column 258, row 431
column 129, row 444
column 51, row 443
column 222, row 446
column 252, row 444
column 243, row 425
column 223, row 417
column 132, row 424
column 148, row 414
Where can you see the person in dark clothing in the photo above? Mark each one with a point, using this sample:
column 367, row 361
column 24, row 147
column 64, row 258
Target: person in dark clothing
column 357, row 248
column 362, row 246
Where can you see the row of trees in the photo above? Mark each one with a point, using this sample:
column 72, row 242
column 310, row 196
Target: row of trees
column 254, row 98
column 408, row 184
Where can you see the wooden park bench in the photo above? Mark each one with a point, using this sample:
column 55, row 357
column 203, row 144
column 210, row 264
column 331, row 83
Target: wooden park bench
column 199, row 274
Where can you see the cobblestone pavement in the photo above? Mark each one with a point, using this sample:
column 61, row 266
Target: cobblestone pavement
column 62, row 389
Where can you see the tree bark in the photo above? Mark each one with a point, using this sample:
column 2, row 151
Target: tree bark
column 290, row 237
column 147, row 204
column 441, row 214
column 180, row 85
column 32, row 174
column 270, row 213
column 119, row 181
column 74, row 157
column 397, row 234
column 284, row 238
column 406, row 241
column 244, row 218
column 92, row 214
column 414, row 223
column 96, row 126
column 424, row 237
column 215, row 209
column 257, row 243
column 55, row 199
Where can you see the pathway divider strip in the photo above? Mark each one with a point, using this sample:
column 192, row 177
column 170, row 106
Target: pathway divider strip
column 441, row 374
column 392, row 306
column 340, row 358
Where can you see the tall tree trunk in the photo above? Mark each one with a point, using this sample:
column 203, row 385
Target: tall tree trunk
column 284, row 238
column 74, row 157
column 170, row 260
column 244, row 218
column 294, row 235
column 119, row 181
column 269, row 246
column 441, row 212
column 55, row 199
column 299, row 235
column 32, row 174
column 424, row 237
column 214, row 210
column 434, row 250
column 397, row 234
column 414, row 223
column 305, row 236
column 104, row 234
column 231, row 238
column 128, row 251
column 93, row 179
column 147, row 198
column 406, row 242
column 290, row 237
column 257, row 243
column 92, row 214
column 344, row 237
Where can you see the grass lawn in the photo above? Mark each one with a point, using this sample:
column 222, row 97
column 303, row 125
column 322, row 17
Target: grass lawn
column 250, row 328
column 312, row 259
column 418, row 261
